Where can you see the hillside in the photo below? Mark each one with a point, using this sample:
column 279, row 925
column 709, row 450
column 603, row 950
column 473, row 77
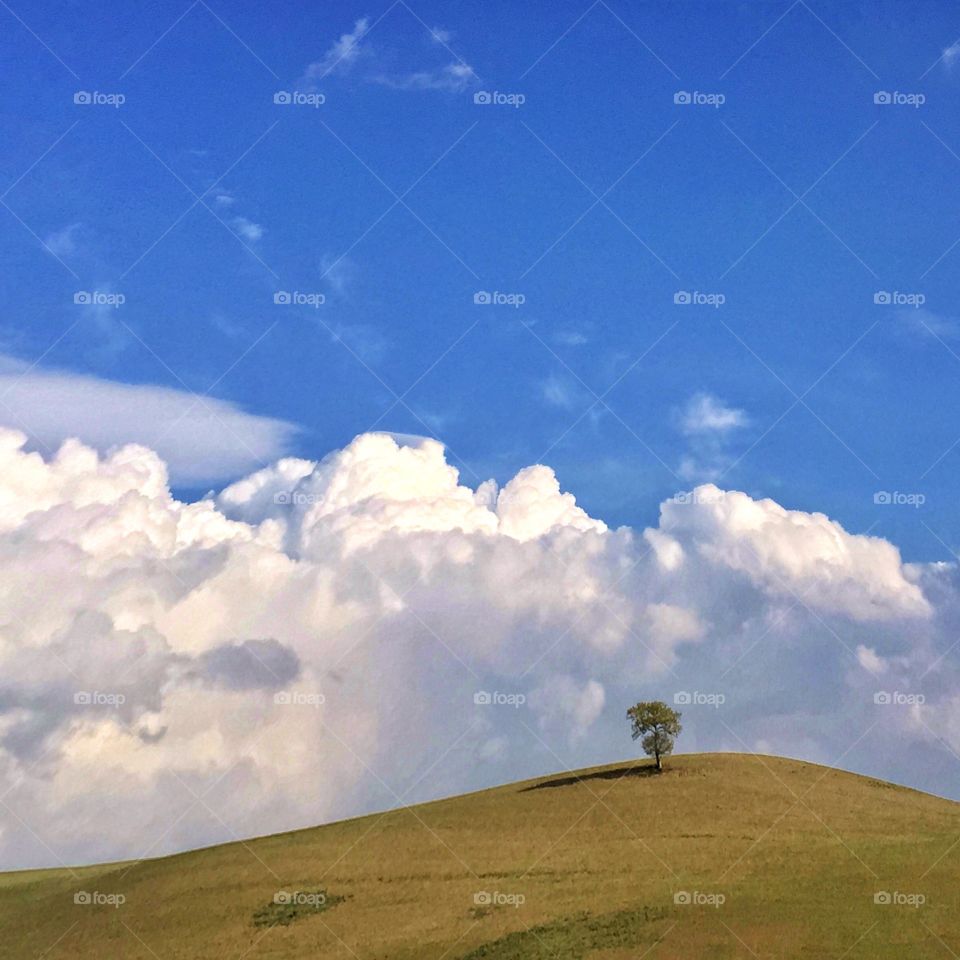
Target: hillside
column 774, row 858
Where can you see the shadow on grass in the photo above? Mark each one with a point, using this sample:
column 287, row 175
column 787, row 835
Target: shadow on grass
column 618, row 773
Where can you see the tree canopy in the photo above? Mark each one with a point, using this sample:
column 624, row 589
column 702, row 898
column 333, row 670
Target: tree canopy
column 658, row 724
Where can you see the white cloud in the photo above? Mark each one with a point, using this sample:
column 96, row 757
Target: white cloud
column 950, row 54
column 353, row 49
column 566, row 709
column 532, row 504
column 63, row 243
column 795, row 554
column 320, row 620
column 704, row 413
column 454, row 76
column 868, row 659
column 559, row 393
column 340, row 57
column 928, row 324
column 202, row 439
column 571, row 338
column 340, row 274
column 247, row 228
column 709, row 424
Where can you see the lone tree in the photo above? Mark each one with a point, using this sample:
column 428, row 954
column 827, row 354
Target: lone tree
column 658, row 725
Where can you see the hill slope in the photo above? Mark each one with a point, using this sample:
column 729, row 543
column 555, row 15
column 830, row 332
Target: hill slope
column 775, row 858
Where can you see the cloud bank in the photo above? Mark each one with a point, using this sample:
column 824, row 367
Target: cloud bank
column 327, row 638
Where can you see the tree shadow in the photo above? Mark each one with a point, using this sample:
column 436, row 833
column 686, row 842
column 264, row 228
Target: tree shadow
column 632, row 770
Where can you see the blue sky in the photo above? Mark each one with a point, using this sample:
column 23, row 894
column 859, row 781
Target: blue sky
column 596, row 200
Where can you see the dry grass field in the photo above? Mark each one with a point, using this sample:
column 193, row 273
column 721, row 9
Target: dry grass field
column 721, row 856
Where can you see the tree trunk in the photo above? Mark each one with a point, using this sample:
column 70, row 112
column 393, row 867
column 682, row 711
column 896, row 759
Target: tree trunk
column 659, row 764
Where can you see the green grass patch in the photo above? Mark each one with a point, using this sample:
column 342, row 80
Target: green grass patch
column 288, row 906
column 572, row 938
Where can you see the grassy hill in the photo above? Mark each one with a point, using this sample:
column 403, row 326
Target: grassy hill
column 723, row 855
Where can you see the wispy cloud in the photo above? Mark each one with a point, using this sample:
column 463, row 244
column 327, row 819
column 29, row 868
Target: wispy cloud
column 705, row 414
column 571, row 337
column 708, row 423
column 63, row 243
column 559, row 393
column 342, row 55
column 247, row 228
column 951, row 54
column 354, row 50
column 454, row 76
column 926, row 323
column 340, row 274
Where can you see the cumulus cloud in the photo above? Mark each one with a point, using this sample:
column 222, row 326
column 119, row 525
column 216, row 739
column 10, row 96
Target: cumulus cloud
column 790, row 553
column 307, row 643
column 201, row 439
column 250, row 665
